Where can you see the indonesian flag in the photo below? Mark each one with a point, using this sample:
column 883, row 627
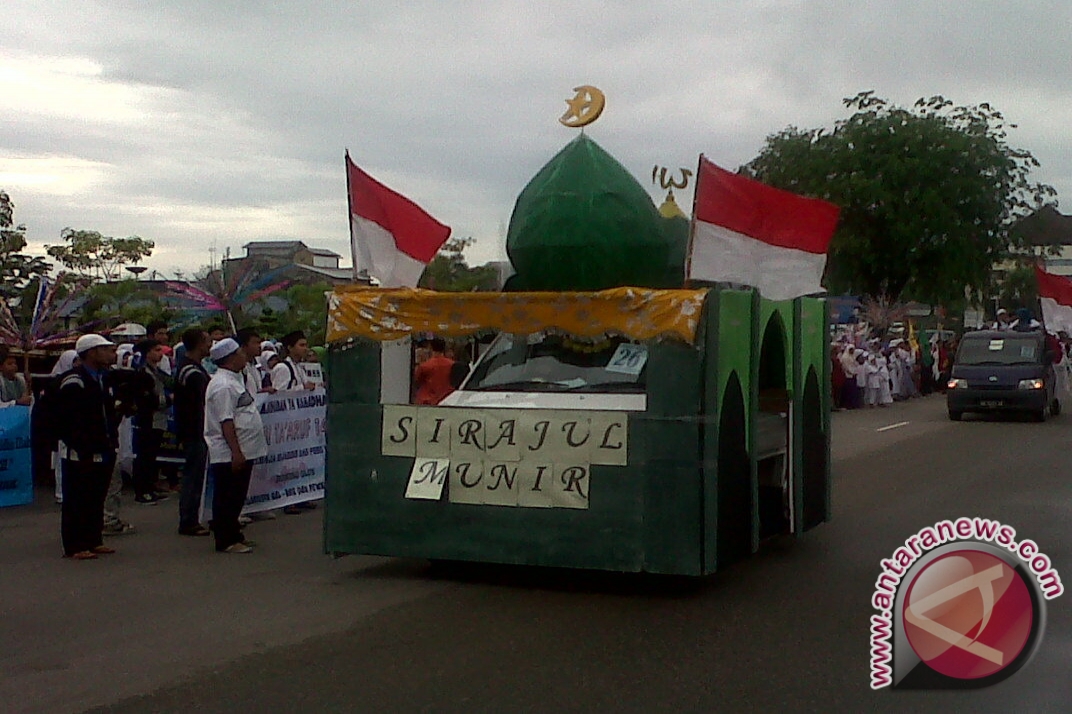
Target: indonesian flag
column 392, row 237
column 1055, row 296
column 747, row 232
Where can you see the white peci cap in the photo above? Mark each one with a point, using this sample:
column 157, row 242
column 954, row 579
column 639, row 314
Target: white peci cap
column 87, row 342
column 222, row 350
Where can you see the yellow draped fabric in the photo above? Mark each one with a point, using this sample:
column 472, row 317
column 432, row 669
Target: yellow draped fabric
column 391, row 314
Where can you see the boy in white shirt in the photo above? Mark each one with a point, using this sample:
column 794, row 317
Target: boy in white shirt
column 234, row 434
column 288, row 375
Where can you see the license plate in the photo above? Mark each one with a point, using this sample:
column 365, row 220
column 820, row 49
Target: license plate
column 992, row 403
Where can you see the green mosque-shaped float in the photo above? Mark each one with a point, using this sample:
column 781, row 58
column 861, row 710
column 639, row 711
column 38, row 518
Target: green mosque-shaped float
column 619, row 421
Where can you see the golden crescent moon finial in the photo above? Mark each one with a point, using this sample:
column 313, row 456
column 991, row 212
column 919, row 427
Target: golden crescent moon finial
column 585, row 107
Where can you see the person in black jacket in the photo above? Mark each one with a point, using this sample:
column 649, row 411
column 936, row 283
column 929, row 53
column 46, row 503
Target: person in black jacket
column 191, row 380
column 150, row 421
column 88, row 435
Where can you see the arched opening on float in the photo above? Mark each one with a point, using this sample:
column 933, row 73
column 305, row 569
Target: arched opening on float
column 734, row 478
column 772, row 432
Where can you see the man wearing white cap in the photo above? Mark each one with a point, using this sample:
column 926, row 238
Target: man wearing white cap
column 88, row 434
column 235, row 437
column 1003, row 321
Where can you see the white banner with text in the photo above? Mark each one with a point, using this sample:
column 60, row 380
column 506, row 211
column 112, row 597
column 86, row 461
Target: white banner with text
column 295, row 424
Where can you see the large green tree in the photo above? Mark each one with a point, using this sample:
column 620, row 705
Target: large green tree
column 449, row 271
column 307, row 310
column 99, row 257
column 126, row 300
column 17, row 270
column 928, row 194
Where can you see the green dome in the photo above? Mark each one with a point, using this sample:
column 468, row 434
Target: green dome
column 584, row 223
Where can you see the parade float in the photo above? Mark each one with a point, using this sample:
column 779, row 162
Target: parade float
column 617, row 420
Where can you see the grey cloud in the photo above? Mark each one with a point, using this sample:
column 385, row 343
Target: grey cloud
column 456, row 102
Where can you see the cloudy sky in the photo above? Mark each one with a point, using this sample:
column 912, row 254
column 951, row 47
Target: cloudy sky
column 216, row 122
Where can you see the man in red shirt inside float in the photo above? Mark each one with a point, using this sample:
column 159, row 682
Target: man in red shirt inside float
column 432, row 376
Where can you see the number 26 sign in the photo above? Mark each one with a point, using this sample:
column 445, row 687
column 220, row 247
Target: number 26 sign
column 629, row 358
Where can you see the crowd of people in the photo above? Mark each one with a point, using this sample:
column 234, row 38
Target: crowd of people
column 106, row 409
column 875, row 370
column 109, row 403
column 879, row 372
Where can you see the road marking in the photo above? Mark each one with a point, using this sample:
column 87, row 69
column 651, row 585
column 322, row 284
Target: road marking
column 893, row 426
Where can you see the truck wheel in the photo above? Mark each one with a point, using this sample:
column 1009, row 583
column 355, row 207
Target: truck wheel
column 1055, row 407
column 955, row 416
column 1040, row 415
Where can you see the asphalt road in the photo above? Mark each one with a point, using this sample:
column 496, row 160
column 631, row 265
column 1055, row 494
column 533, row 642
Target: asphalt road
column 167, row 625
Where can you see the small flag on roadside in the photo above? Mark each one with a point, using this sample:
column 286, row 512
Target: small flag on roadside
column 39, row 306
column 393, row 238
column 1055, row 298
column 747, row 232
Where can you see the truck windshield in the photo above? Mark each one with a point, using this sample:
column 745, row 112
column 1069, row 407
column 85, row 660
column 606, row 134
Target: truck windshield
column 552, row 363
column 1004, row 350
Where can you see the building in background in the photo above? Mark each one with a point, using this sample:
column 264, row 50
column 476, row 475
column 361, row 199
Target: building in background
column 302, row 264
column 1048, row 233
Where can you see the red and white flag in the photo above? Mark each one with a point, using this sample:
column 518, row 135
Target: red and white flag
column 746, row 232
column 1055, row 296
column 392, row 237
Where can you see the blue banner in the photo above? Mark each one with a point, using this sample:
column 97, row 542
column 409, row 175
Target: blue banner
column 16, row 478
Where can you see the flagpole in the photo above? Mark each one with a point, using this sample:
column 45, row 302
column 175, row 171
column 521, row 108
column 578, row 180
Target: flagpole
column 350, row 214
column 692, row 223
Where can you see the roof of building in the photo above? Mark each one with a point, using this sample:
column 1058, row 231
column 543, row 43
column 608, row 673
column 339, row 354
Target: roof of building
column 278, row 247
column 333, row 273
column 285, row 247
column 1046, row 226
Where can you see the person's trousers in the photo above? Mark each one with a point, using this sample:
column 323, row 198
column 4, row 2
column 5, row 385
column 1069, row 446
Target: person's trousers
column 193, row 482
column 229, row 489
column 850, row 395
column 85, row 484
column 112, row 499
column 146, row 470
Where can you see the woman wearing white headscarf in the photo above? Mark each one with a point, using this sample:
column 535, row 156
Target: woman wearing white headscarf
column 265, row 361
column 67, row 361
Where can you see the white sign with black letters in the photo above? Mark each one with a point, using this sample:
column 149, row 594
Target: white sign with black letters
column 629, row 358
column 504, row 457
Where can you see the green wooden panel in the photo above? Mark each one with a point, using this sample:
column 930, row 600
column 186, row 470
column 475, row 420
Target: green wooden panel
column 814, row 335
column 735, row 338
column 797, row 436
column 642, row 517
column 753, row 409
column 355, row 373
column 670, row 462
column 369, row 514
column 810, row 349
column 711, row 343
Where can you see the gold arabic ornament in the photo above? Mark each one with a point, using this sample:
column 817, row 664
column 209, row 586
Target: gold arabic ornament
column 670, row 183
column 585, row 107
